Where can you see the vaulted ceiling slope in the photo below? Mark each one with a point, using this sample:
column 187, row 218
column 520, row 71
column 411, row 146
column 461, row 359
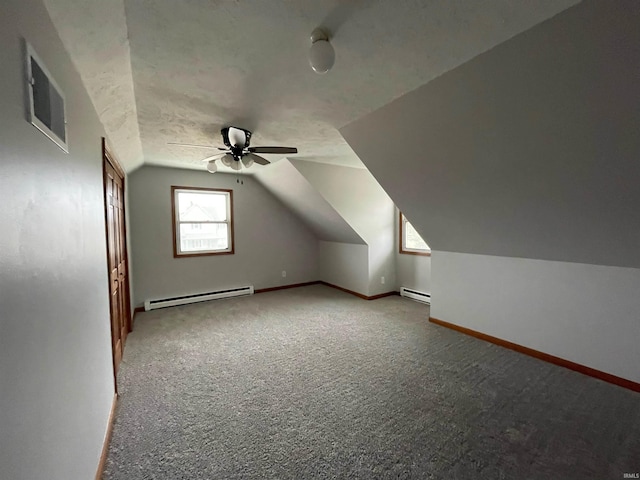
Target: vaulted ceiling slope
column 167, row 71
column 287, row 184
column 529, row 150
column 356, row 195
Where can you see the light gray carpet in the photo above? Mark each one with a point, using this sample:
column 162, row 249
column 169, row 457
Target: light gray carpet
column 316, row 383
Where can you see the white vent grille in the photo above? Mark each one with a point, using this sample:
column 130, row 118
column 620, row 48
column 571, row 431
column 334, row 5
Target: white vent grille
column 416, row 295
column 198, row 297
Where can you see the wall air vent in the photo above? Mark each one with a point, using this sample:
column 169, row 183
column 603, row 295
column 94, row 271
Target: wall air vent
column 198, row 297
column 46, row 103
column 416, row 295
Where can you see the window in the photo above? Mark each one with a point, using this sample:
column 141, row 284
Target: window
column 46, row 101
column 202, row 221
column 410, row 240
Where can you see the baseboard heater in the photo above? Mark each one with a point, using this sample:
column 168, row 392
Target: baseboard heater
column 198, row 297
column 416, row 295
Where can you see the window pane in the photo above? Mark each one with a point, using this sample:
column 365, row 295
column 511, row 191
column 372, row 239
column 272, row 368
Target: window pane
column 413, row 240
column 202, row 207
column 57, row 113
column 41, row 92
column 197, row 237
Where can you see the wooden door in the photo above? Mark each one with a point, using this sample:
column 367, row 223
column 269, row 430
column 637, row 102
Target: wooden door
column 116, row 256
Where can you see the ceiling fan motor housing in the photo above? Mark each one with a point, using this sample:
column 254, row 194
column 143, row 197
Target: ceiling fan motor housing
column 237, row 139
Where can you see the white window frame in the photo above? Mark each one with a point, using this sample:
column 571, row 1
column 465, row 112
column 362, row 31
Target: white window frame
column 35, row 121
column 175, row 209
column 402, row 241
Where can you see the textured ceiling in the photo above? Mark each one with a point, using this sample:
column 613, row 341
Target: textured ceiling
column 95, row 35
column 198, row 65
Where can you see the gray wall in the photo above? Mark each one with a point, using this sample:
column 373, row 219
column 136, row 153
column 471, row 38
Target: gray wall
column 529, row 150
column 361, row 201
column 345, row 265
column 412, row 271
column 268, row 238
column 56, row 377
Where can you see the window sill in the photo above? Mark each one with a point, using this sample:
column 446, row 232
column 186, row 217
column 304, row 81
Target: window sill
column 201, row 254
column 407, row 252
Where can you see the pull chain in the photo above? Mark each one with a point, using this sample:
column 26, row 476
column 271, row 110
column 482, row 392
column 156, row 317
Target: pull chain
column 239, row 170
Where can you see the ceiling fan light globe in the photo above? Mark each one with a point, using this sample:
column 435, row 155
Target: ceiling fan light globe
column 212, row 167
column 237, row 137
column 322, row 56
column 247, row 161
column 227, row 160
column 236, row 165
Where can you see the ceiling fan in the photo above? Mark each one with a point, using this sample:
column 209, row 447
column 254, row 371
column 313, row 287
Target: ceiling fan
column 238, row 152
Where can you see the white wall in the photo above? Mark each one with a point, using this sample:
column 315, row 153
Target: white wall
column 345, row 265
column 356, row 195
column 56, row 377
column 268, row 238
column 584, row 313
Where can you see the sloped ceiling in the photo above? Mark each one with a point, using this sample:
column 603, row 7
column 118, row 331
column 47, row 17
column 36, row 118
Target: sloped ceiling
column 529, row 150
column 95, row 34
column 355, row 194
column 172, row 71
column 284, row 181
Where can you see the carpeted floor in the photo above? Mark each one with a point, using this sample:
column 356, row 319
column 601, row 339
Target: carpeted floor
column 315, row 383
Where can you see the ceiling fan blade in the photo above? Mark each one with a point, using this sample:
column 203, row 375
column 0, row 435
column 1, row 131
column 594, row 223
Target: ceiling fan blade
column 213, row 157
column 256, row 158
column 210, row 147
column 281, row 150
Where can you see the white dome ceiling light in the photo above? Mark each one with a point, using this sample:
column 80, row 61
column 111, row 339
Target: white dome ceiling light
column 322, row 56
column 227, row 159
column 212, row 167
column 247, row 161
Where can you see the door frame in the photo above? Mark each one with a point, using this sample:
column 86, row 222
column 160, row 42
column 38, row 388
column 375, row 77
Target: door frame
column 109, row 159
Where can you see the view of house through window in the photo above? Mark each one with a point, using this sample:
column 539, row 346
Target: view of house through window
column 410, row 240
column 202, row 221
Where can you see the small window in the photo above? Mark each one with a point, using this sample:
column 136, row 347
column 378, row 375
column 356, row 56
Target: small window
column 202, row 221
column 46, row 101
column 410, row 240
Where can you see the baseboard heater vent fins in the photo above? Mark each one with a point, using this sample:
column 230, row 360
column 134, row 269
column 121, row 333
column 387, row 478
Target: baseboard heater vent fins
column 416, row 295
column 198, row 297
